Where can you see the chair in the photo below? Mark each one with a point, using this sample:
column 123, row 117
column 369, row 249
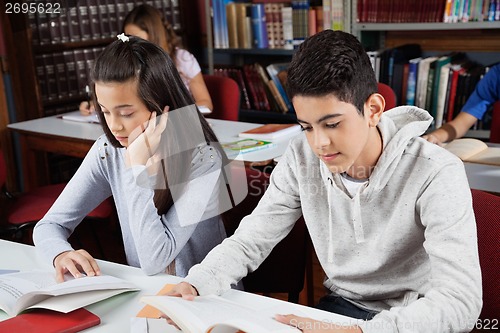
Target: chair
column 30, row 207
column 495, row 123
column 388, row 94
column 225, row 94
column 284, row 269
column 487, row 212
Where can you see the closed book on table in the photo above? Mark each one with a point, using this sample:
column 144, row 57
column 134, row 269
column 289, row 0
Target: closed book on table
column 271, row 131
column 47, row 321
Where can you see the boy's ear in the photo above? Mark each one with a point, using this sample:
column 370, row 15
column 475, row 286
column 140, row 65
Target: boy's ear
column 374, row 105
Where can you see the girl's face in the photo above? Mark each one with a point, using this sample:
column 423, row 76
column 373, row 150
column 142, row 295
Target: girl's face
column 133, row 30
column 123, row 110
column 342, row 138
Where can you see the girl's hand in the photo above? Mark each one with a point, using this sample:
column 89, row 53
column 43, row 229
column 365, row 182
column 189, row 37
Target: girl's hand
column 86, row 108
column 145, row 139
column 308, row 325
column 75, row 262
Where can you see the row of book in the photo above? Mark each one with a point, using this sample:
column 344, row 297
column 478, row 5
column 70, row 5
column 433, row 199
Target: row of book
column 64, row 75
column 92, row 20
column 447, row 11
column 272, row 24
column 438, row 84
column 262, row 88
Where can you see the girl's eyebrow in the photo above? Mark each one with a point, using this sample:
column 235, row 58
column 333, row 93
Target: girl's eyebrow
column 122, row 106
column 325, row 117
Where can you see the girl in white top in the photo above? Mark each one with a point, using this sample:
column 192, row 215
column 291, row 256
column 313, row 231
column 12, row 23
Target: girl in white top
column 146, row 22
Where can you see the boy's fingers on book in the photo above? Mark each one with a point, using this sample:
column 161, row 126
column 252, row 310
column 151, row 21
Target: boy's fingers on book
column 184, row 290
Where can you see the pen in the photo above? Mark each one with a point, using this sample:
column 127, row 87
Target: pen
column 87, row 91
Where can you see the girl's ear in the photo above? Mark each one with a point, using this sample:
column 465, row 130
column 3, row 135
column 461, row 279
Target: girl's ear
column 374, row 107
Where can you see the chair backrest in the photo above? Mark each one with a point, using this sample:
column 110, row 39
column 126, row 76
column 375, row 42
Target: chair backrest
column 388, row 94
column 283, row 270
column 225, row 94
column 495, row 123
column 487, row 212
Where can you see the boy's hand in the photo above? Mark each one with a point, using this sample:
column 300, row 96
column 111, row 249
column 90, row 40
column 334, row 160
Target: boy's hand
column 308, row 325
column 75, row 262
column 86, row 108
column 184, row 290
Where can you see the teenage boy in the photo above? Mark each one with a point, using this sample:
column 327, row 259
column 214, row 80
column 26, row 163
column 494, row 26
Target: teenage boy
column 389, row 214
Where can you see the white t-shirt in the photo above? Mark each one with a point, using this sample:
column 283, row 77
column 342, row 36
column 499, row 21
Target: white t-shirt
column 187, row 65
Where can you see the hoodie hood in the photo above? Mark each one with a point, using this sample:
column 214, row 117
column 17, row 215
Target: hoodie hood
column 398, row 127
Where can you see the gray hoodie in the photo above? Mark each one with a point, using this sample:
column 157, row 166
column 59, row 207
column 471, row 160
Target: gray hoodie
column 405, row 245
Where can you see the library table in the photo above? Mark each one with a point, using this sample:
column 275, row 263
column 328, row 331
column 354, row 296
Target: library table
column 116, row 313
column 56, row 135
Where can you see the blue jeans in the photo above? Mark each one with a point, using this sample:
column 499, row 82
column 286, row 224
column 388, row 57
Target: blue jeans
column 339, row 305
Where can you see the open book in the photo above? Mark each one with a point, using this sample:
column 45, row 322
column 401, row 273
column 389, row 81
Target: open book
column 214, row 314
column 474, row 151
column 39, row 289
column 271, row 131
column 77, row 116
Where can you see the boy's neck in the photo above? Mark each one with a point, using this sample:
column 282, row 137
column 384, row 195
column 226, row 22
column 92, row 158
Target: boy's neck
column 363, row 167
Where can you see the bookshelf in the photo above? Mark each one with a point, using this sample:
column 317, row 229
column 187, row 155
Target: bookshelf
column 65, row 45
column 226, row 56
column 479, row 40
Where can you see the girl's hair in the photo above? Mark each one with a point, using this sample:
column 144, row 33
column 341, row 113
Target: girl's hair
column 160, row 31
column 158, row 85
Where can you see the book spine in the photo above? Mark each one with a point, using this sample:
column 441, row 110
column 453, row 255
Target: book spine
column 273, row 73
column 104, row 20
column 232, row 28
column 260, row 39
column 95, row 27
column 412, row 83
column 64, row 27
column 84, row 22
column 287, row 18
column 60, row 73
column 72, row 78
column 73, row 25
column 41, row 77
column 51, row 79
column 176, row 15
column 271, row 34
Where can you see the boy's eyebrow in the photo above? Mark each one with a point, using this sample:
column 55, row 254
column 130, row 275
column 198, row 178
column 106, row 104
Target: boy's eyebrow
column 325, row 117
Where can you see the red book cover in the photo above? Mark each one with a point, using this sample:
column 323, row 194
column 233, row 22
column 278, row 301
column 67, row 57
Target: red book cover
column 453, row 91
column 47, row 321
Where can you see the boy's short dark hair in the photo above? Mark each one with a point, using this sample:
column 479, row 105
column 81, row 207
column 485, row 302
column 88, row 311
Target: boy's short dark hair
column 332, row 62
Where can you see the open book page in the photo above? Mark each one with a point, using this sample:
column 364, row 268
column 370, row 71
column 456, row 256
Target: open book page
column 474, row 151
column 19, row 291
column 215, row 315
column 77, row 116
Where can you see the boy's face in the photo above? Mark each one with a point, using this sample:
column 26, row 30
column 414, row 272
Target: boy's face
column 343, row 139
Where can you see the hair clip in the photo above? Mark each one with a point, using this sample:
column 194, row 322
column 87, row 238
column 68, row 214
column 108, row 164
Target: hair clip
column 123, row 38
